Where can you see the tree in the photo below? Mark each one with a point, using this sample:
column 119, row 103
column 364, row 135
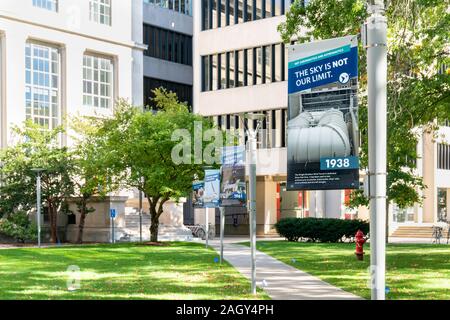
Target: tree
column 36, row 147
column 92, row 176
column 141, row 147
column 417, row 93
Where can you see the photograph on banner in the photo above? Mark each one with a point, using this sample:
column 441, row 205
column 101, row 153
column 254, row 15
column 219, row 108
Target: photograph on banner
column 233, row 187
column 233, row 191
column 323, row 133
column 211, row 194
column 198, row 190
column 233, row 156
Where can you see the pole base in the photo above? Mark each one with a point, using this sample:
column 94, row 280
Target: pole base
column 359, row 256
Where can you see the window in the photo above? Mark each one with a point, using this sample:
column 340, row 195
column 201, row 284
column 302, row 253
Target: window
column 221, row 13
column 100, row 11
column 443, row 156
column 167, row 45
column 248, row 67
column 97, row 82
column 51, row 5
column 42, row 74
column 183, row 91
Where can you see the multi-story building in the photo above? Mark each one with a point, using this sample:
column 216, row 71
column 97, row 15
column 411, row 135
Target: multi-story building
column 60, row 58
column 168, row 58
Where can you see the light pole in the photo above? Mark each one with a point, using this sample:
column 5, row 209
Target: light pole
column 140, row 211
column 376, row 30
column 38, row 172
column 252, row 141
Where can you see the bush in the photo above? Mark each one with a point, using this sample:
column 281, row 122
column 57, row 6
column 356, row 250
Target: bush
column 320, row 229
column 19, row 227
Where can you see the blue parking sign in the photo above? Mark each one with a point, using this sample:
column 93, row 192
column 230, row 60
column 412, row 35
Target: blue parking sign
column 112, row 213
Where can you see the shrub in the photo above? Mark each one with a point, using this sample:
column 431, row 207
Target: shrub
column 18, row 226
column 320, row 229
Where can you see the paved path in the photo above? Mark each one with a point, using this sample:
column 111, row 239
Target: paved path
column 282, row 282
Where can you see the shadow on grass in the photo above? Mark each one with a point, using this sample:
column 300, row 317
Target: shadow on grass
column 178, row 271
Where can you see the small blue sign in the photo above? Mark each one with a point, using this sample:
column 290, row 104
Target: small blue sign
column 340, row 163
column 112, row 213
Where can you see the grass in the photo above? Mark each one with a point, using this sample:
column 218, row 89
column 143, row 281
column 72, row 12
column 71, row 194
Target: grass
column 413, row 271
column 122, row 271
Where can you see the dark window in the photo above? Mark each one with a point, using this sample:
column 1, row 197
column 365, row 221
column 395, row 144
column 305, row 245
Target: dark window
column 246, row 67
column 183, row 91
column 443, row 155
column 283, row 128
column 239, row 11
column 168, row 45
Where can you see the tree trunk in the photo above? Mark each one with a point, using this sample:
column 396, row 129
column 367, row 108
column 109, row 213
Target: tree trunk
column 83, row 211
column 154, row 227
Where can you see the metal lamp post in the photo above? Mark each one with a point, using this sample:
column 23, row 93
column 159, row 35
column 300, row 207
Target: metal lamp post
column 38, row 172
column 140, row 212
column 251, row 148
column 376, row 45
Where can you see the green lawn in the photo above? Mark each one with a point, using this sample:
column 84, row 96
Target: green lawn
column 123, row 271
column 413, row 271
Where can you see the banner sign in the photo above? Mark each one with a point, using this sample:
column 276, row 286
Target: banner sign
column 198, row 189
column 233, row 156
column 323, row 133
column 233, row 187
column 211, row 195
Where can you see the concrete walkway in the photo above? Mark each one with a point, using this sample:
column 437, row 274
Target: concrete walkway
column 279, row 280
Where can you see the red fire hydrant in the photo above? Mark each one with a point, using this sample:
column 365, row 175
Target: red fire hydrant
column 359, row 240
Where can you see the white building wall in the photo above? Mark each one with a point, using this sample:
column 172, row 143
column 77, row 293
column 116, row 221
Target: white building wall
column 71, row 30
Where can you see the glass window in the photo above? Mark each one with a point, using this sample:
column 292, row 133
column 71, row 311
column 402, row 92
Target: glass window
column 205, row 67
column 227, row 12
column 42, row 74
column 100, row 11
column 232, row 70
column 51, row 5
column 227, row 70
column 240, row 68
column 214, row 72
column 97, row 82
column 223, row 71
column 183, row 92
column 277, row 65
column 267, row 72
column 214, row 14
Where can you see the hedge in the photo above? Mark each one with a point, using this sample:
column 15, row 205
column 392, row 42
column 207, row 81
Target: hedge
column 320, row 229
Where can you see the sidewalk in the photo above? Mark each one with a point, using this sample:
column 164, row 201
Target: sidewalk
column 281, row 281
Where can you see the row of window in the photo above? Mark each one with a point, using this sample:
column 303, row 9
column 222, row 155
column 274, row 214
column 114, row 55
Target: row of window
column 99, row 10
column 246, row 67
column 221, row 13
column 43, row 83
column 443, row 156
column 167, row 45
column 182, row 6
column 273, row 127
column 183, row 91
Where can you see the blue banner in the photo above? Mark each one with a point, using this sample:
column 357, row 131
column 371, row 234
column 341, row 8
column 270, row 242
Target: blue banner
column 325, row 68
column 211, row 196
column 233, row 156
